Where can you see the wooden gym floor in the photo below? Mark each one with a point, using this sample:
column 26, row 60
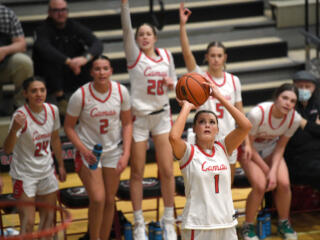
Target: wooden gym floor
column 306, row 224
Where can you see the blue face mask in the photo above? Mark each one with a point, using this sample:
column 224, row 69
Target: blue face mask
column 304, row 94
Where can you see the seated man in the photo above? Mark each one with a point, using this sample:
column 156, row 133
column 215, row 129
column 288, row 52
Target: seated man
column 62, row 50
column 15, row 66
column 303, row 150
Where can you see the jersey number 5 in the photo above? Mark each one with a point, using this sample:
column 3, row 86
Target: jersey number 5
column 41, row 146
column 219, row 109
column 155, row 87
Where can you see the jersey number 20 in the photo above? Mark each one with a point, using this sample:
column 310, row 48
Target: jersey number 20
column 155, row 87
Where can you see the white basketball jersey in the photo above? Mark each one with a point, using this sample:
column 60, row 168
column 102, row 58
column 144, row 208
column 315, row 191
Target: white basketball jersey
column 267, row 129
column 32, row 156
column 230, row 88
column 148, row 91
column 99, row 120
column 207, row 184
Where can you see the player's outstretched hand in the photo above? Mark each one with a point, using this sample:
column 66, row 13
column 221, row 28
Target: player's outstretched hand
column 184, row 14
column 185, row 103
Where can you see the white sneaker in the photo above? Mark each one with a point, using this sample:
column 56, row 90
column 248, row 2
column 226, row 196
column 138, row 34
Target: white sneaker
column 168, row 229
column 139, row 232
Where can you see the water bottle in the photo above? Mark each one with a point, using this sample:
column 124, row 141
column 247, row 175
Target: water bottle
column 97, row 150
column 157, row 231
column 151, row 230
column 127, row 231
column 267, row 223
column 261, row 229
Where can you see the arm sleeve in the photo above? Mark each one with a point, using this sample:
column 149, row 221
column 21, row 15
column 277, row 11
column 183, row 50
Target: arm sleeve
column 126, row 104
column 75, row 104
column 91, row 41
column 294, row 126
column 43, row 46
column 238, row 97
column 130, row 47
column 255, row 117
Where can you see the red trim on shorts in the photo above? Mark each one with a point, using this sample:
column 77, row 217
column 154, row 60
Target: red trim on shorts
column 26, row 123
column 192, row 234
column 53, row 113
column 136, row 62
column 120, row 93
column 77, row 162
column 292, row 118
column 190, row 158
column 234, row 84
column 98, row 99
column 262, row 111
column 17, row 189
column 83, row 97
column 33, row 118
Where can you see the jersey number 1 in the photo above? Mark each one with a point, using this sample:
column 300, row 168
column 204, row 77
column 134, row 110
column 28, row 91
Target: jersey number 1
column 216, row 183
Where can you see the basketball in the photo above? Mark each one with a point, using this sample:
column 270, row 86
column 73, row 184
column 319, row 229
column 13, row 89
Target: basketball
column 190, row 87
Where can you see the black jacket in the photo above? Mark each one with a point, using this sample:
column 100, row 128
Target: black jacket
column 56, row 45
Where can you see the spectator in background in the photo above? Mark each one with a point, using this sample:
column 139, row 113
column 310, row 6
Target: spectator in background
column 303, row 150
column 15, row 66
column 61, row 52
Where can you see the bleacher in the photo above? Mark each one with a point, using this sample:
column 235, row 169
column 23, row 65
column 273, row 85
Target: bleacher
column 262, row 55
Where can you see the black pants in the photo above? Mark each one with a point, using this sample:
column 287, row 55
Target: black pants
column 60, row 77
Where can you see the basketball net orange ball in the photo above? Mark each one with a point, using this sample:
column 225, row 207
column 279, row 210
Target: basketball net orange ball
column 190, row 87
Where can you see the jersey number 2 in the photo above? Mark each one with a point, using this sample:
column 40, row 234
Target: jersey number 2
column 41, row 146
column 104, row 124
column 216, row 183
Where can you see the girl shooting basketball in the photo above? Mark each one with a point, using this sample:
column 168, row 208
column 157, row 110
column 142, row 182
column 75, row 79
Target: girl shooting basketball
column 152, row 74
column 229, row 85
column 34, row 129
column 208, row 213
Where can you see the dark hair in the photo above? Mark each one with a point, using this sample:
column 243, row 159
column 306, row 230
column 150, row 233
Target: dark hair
column 26, row 83
column 99, row 57
column 203, row 111
column 285, row 87
column 154, row 30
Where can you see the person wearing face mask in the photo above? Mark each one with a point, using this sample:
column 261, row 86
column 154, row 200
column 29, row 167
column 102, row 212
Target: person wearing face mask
column 303, row 150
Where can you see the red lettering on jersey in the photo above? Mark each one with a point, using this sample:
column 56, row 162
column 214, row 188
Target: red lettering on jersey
column 96, row 113
column 212, row 168
column 37, row 136
column 149, row 73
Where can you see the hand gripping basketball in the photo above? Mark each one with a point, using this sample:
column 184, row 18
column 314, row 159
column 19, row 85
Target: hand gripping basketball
column 191, row 87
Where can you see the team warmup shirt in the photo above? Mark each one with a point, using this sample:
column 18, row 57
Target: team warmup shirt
column 230, row 87
column 148, row 91
column 207, row 184
column 32, row 158
column 268, row 129
column 99, row 114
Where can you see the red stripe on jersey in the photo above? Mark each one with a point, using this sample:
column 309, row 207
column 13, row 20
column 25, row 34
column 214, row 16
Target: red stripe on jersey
column 136, row 62
column 53, row 113
column 77, row 162
column 190, row 158
column 156, row 61
column 270, row 122
column 234, row 84
column 208, row 155
column 262, row 111
column 98, row 99
column 168, row 56
column 192, row 234
column 220, row 144
column 119, row 88
column 25, row 124
column 33, row 118
column 83, row 97
column 292, row 118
